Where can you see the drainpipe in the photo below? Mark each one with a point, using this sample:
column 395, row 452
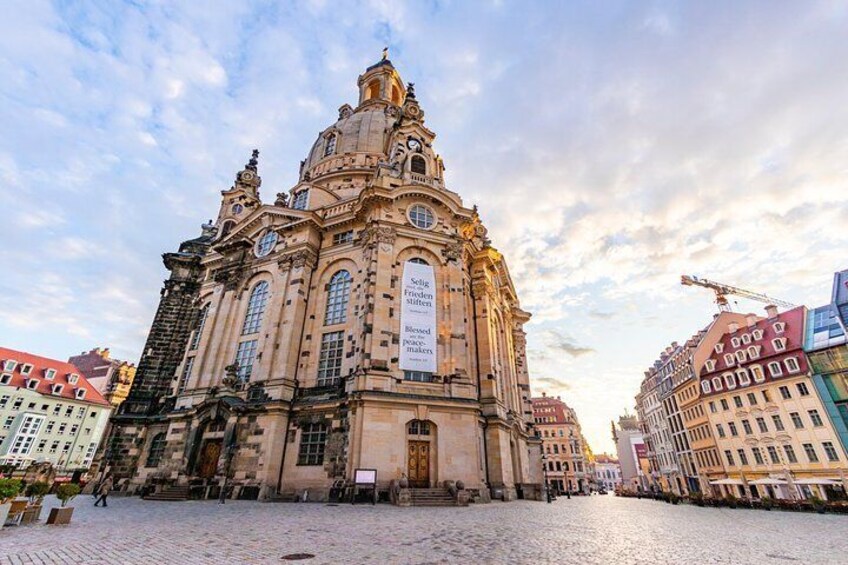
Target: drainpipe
column 296, row 368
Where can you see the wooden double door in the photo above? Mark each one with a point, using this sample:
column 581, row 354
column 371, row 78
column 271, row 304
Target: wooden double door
column 207, row 468
column 418, row 466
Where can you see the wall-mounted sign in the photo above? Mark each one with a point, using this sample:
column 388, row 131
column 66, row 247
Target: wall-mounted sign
column 418, row 319
column 365, row 476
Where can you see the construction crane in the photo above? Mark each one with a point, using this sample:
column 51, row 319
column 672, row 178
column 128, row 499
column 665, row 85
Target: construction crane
column 722, row 290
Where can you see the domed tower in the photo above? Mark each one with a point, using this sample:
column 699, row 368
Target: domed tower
column 362, row 321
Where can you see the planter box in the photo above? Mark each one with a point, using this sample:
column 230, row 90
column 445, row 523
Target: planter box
column 60, row 516
column 4, row 512
column 32, row 514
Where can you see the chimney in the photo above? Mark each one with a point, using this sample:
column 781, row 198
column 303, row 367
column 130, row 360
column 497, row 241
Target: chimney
column 771, row 311
column 732, row 327
column 751, row 319
column 544, row 394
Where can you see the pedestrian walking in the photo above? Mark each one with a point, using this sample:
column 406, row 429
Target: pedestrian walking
column 103, row 491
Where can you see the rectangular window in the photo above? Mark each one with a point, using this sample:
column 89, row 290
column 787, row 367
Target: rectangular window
column 724, row 405
column 343, row 237
column 189, row 364
column 245, row 357
column 792, row 365
column 802, row 389
column 713, row 407
column 729, row 457
column 54, row 446
column 330, row 359
column 775, row 370
column 766, row 396
column 17, row 404
column 790, row 453
column 816, row 419
column 418, row 376
column 784, row 393
column 761, row 423
column 4, row 400
column 313, row 437
column 773, row 456
column 81, row 413
column 62, row 429
column 69, row 411
column 752, row 399
column 733, row 431
column 778, row 423
column 737, row 400
column 747, row 425
column 811, row 453
column 830, row 451
column 758, row 456
column 720, row 430
column 743, row 457
column 796, row 420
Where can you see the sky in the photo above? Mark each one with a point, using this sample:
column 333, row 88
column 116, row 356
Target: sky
column 611, row 147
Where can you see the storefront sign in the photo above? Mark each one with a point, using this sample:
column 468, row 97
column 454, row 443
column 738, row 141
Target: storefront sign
column 418, row 319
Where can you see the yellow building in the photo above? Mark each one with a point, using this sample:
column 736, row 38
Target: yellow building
column 113, row 378
column 362, row 321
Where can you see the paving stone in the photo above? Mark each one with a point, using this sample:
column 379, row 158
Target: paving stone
column 599, row 529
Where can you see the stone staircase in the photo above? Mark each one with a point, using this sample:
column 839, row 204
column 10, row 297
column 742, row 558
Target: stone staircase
column 431, row 497
column 173, row 493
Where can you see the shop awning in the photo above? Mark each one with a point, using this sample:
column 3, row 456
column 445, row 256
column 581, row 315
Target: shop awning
column 727, row 482
column 818, row 481
column 768, row 481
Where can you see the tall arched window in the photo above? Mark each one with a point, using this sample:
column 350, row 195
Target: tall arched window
column 338, row 294
column 330, row 145
column 373, row 90
column 418, row 165
column 195, row 339
column 227, row 227
column 255, row 308
column 157, row 450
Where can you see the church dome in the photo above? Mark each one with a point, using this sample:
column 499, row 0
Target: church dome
column 359, row 138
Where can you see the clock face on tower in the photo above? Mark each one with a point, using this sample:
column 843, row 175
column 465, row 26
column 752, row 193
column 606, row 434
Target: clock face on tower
column 413, row 144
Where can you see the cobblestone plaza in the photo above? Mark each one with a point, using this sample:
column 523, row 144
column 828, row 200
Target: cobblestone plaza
column 598, row 529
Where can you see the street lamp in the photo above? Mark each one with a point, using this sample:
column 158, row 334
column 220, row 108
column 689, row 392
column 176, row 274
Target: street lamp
column 545, row 473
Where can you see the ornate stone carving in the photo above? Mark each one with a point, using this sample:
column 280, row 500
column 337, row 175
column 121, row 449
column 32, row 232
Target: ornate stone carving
column 282, row 200
column 298, row 260
column 377, row 234
column 453, row 251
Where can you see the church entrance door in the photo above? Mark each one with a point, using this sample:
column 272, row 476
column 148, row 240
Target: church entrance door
column 209, row 456
column 419, row 464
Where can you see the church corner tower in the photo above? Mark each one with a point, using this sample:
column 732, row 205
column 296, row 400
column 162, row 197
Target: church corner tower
column 361, row 321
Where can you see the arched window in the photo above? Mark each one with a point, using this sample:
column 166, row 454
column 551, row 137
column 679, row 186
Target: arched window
column 396, row 95
column 255, row 308
column 418, row 428
column 338, row 294
column 418, row 165
column 300, row 200
column 418, row 261
column 157, row 450
column 373, row 90
column 195, row 339
column 330, row 145
column 227, row 227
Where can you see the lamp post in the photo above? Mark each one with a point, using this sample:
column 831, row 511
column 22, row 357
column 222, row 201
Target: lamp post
column 545, row 473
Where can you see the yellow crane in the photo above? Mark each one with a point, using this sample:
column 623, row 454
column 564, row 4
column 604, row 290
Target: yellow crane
column 722, row 290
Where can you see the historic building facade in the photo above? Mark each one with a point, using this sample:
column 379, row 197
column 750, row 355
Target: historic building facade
column 362, row 321
column 566, row 454
column 111, row 377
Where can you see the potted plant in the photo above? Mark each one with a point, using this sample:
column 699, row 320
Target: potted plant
column 9, row 489
column 730, row 499
column 673, row 498
column 35, row 492
column 767, row 503
column 818, row 504
column 697, row 498
column 62, row 515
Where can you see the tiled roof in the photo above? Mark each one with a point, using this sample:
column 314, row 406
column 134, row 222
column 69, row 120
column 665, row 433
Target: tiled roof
column 39, row 367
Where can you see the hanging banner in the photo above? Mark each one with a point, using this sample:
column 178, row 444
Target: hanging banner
column 418, row 319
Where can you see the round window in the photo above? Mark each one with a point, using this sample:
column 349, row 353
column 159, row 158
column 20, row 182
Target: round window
column 421, row 217
column 266, row 243
column 237, row 208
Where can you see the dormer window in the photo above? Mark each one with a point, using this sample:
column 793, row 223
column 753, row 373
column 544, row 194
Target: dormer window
column 775, row 369
column 705, row 386
column 709, row 365
column 792, row 365
column 746, row 339
column 26, row 369
column 759, row 375
column 330, row 144
column 32, row 384
column 742, row 375
column 779, row 344
column 734, row 342
column 779, row 327
column 49, row 374
column 754, row 351
column 5, row 378
column 57, row 388
column 758, row 334
column 73, row 378
column 717, row 384
column 300, row 200
column 729, row 359
column 730, row 380
column 719, row 347
column 80, row 393
column 9, row 365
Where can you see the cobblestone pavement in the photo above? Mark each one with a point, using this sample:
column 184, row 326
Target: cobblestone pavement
column 597, row 529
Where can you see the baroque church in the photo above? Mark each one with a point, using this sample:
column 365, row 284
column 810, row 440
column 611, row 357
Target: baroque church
column 362, row 321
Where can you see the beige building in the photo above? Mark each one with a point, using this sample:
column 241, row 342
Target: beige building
column 111, row 377
column 362, row 321
column 49, row 413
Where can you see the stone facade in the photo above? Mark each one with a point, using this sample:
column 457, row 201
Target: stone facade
column 566, row 454
column 113, row 378
column 274, row 357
